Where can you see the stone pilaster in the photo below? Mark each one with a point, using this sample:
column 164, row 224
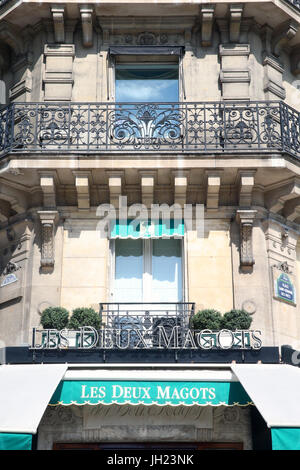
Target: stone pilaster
column 58, row 78
column 235, row 73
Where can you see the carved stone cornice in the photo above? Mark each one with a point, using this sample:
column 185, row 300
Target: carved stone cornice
column 48, row 220
column 246, row 218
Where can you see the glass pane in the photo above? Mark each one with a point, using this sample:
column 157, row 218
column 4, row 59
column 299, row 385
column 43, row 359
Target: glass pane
column 166, row 271
column 128, row 271
column 147, row 83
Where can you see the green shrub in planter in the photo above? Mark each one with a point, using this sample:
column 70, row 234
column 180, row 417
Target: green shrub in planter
column 54, row 318
column 84, row 317
column 236, row 320
column 207, row 320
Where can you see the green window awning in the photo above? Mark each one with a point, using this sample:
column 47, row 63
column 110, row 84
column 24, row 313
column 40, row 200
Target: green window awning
column 9, row 441
column 285, row 438
column 135, row 229
column 106, row 392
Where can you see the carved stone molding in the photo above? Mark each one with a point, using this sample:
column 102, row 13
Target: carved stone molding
column 236, row 14
column 207, row 19
column 295, row 60
column 58, row 23
column 277, row 198
column 147, row 187
column 11, row 37
column 48, row 220
column 10, row 268
column 180, row 187
column 115, row 183
column 246, row 220
column 58, row 77
column 246, row 185
column 86, row 13
column 47, row 182
column 235, row 73
column 213, row 188
column 282, row 35
column 82, row 184
column 284, row 267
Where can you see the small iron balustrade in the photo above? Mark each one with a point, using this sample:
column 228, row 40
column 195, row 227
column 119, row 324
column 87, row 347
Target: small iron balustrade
column 133, row 324
column 149, row 127
column 295, row 3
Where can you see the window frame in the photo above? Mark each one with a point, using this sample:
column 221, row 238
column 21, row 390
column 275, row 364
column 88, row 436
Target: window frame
column 147, row 264
column 143, row 60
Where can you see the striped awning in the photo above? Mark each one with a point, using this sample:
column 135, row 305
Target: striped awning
column 173, row 228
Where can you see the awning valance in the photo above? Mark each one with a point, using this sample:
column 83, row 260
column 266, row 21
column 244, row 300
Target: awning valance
column 135, row 229
column 15, row 441
column 285, row 438
column 146, row 50
column 274, row 390
column 142, row 392
column 25, row 391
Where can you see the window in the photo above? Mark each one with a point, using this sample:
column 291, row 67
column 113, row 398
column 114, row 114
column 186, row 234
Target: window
column 148, row 270
column 147, row 82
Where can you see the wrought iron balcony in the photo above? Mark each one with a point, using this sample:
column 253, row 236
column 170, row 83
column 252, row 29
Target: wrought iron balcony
column 295, row 3
column 213, row 127
column 131, row 324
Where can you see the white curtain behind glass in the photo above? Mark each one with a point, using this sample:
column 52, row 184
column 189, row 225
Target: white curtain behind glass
column 128, row 284
column 166, row 271
column 147, row 275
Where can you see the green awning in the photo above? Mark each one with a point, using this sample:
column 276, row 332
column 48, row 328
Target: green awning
column 173, row 228
column 106, row 392
column 285, row 438
column 10, row 441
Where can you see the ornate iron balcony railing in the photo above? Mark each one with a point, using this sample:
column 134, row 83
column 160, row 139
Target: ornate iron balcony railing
column 295, row 3
column 216, row 127
column 133, row 323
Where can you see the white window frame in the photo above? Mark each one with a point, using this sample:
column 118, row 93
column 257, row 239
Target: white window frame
column 147, row 269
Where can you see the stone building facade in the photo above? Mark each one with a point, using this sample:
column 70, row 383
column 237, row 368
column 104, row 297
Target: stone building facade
column 228, row 144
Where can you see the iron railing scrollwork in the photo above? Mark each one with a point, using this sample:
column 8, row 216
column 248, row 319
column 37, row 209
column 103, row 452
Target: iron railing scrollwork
column 215, row 127
column 295, row 3
column 136, row 325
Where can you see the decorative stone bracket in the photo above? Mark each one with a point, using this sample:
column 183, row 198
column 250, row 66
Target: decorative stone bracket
column 246, row 220
column 207, row 18
column 86, row 13
column 48, row 220
column 58, row 23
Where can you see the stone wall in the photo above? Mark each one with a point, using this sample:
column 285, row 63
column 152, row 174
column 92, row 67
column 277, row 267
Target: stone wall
column 144, row 424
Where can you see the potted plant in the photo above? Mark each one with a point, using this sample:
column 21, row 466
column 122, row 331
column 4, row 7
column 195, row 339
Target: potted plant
column 236, row 320
column 83, row 317
column 208, row 319
column 53, row 318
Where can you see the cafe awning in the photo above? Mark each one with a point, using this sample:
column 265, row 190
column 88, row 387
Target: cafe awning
column 149, row 388
column 170, row 228
column 25, row 391
column 275, row 391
